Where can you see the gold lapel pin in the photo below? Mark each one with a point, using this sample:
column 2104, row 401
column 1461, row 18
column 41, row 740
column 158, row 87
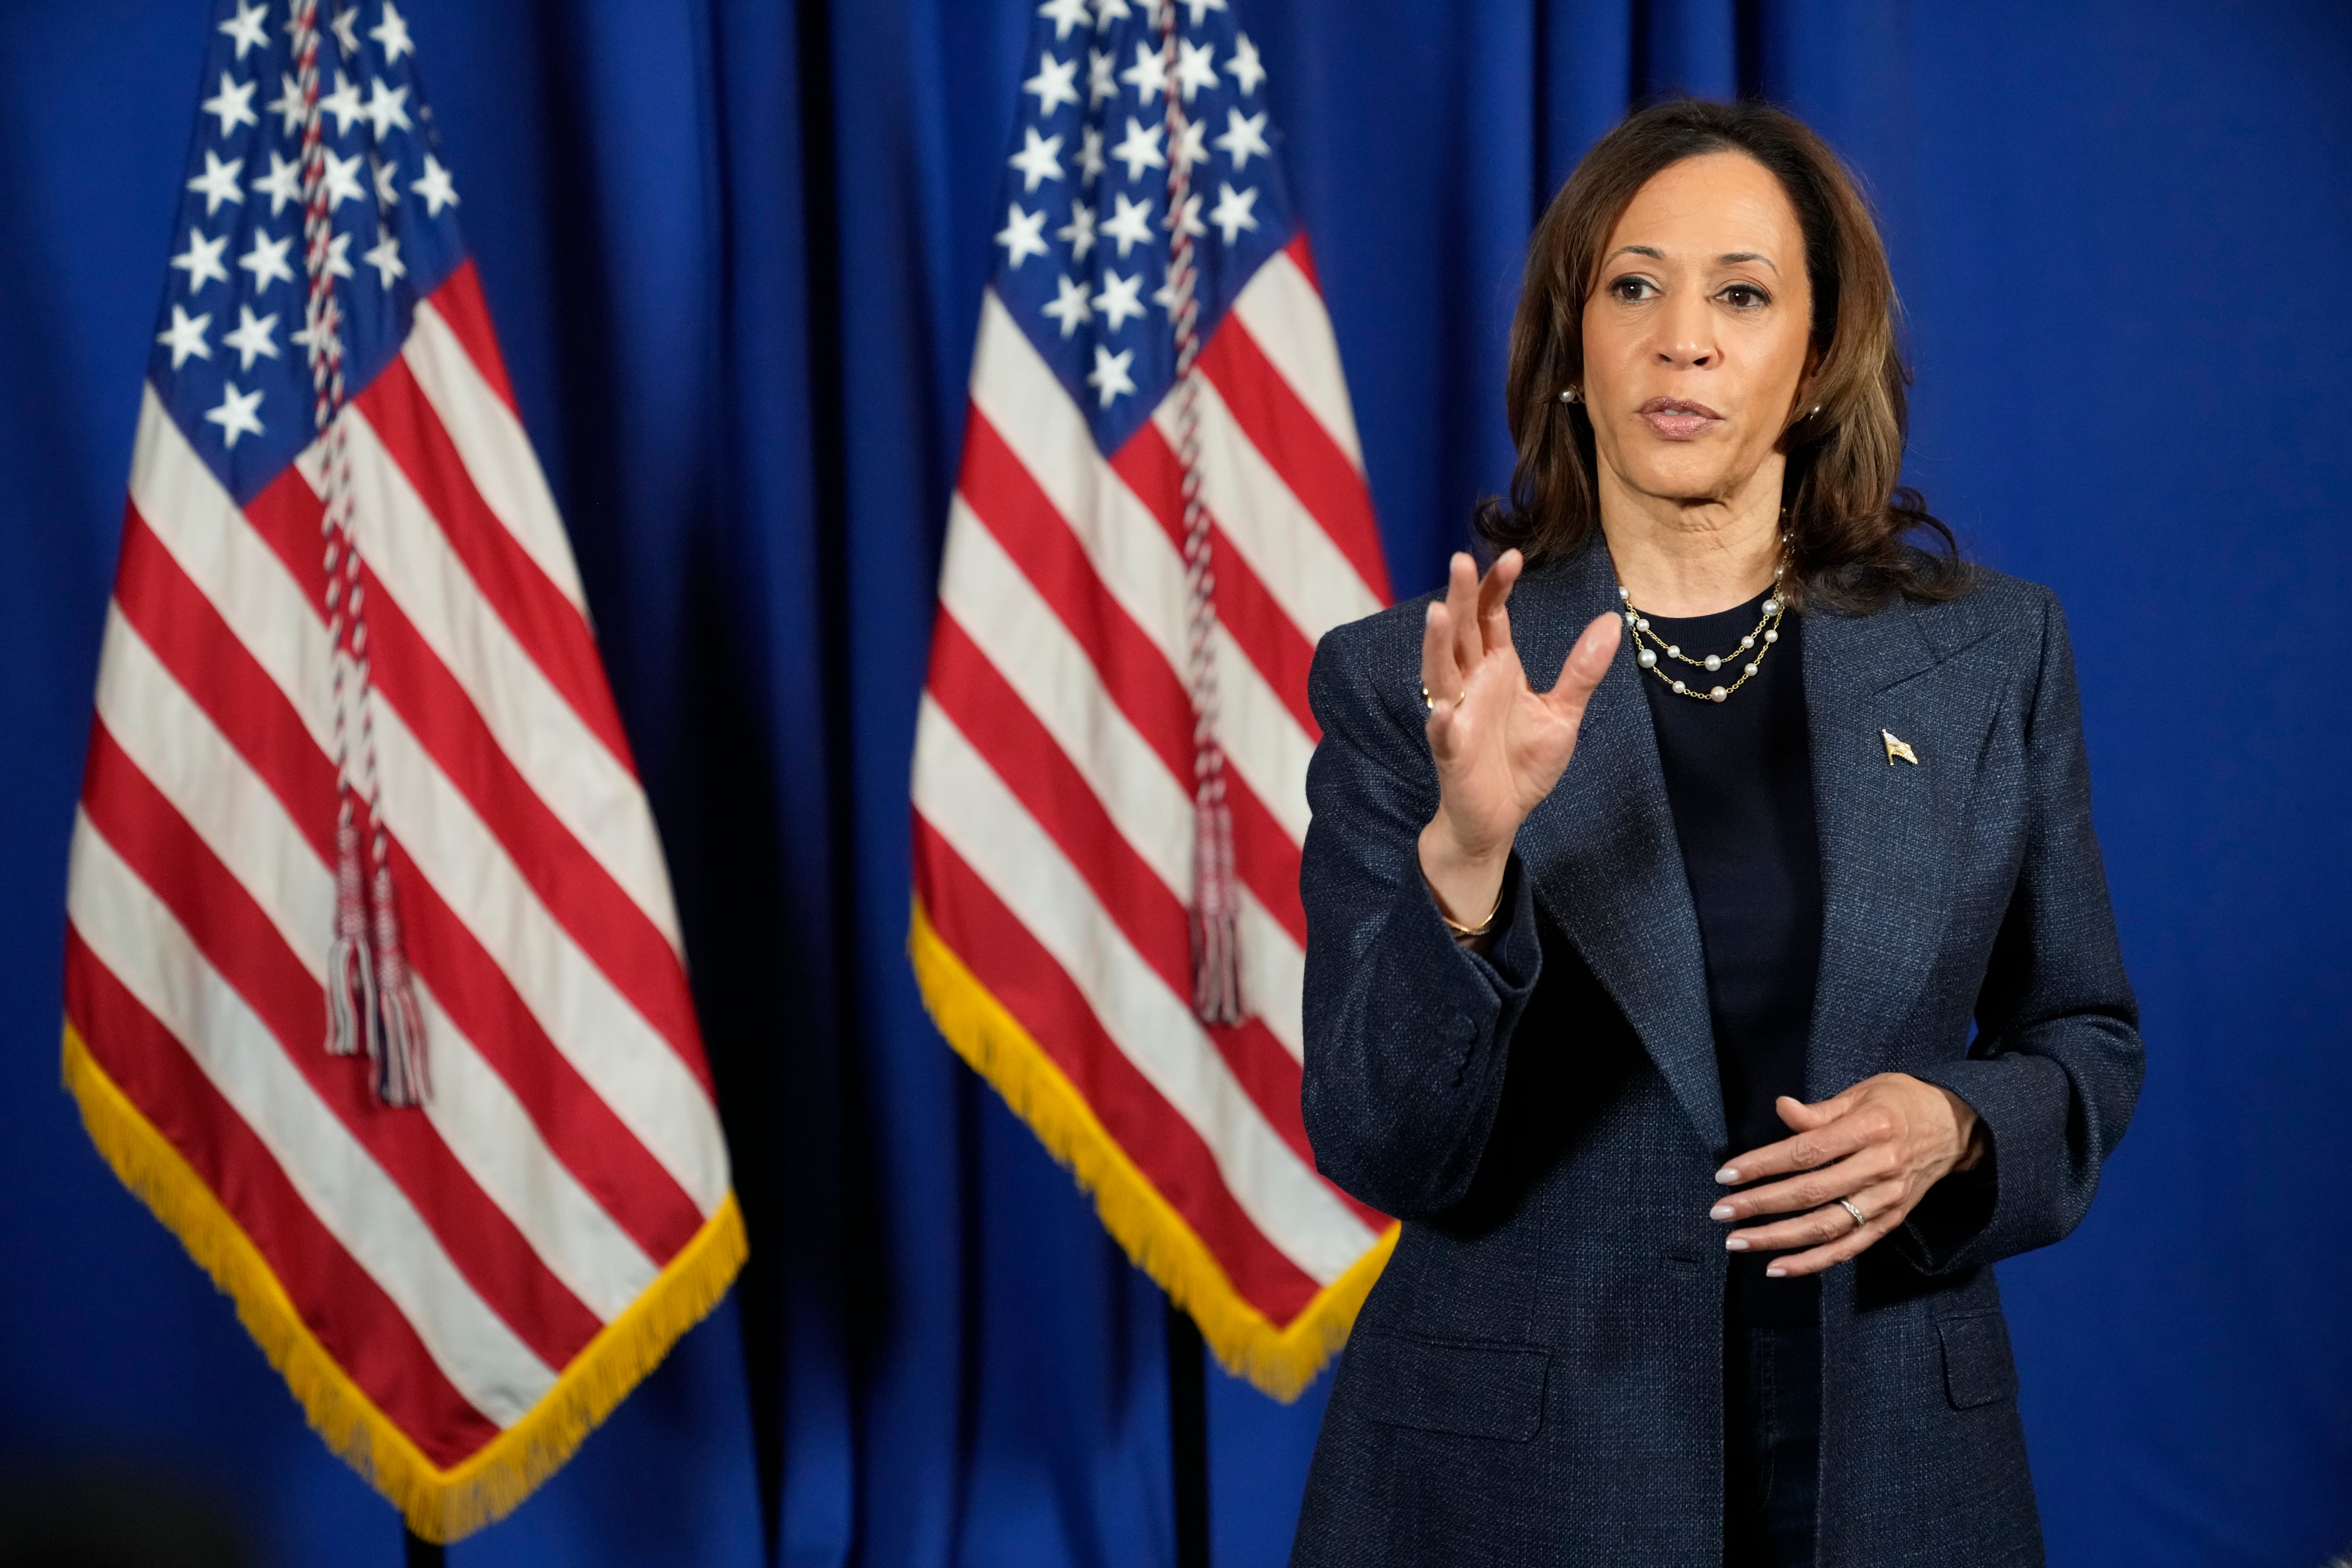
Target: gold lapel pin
column 1895, row 748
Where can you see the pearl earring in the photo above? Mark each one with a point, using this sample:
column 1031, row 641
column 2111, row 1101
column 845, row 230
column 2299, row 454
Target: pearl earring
column 1568, row 394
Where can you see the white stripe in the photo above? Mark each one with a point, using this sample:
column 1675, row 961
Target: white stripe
column 1284, row 315
column 1154, row 1028
column 494, row 446
column 567, row 765
column 1307, row 574
column 131, row 932
column 1133, row 558
column 173, row 744
column 1273, row 976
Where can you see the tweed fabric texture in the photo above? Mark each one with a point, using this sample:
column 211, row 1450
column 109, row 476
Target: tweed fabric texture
column 1538, row 1376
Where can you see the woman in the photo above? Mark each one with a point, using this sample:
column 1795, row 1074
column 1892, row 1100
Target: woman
column 1645, row 1001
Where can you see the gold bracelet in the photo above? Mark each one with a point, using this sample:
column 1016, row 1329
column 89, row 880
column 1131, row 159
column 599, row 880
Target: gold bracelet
column 1463, row 933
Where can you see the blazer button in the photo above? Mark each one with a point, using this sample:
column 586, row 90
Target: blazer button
column 1460, row 1029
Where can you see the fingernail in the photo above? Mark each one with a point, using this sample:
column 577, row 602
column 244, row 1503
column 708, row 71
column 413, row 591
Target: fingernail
column 1726, row 1176
column 1720, row 1211
column 1735, row 1244
column 1775, row 1273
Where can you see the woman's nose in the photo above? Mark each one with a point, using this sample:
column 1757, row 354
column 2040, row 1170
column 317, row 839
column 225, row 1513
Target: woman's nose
column 1684, row 340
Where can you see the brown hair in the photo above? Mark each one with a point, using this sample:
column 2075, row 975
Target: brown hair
column 1847, row 515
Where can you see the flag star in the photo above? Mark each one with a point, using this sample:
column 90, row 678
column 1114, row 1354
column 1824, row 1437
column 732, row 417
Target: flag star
column 343, row 103
column 1069, row 306
column 1200, row 8
column 287, row 104
column 246, row 29
column 1189, row 148
column 387, row 182
column 1100, row 84
column 1243, row 66
column 385, row 256
column 1110, row 11
column 386, row 108
column 283, row 184
column 1040, row 158
column 346, row 29
column 235, row 416
column 1110, row 375
column 252, row 338
column 1130, row 226
column 342, row 179
column 1141, row 150
column 186, row 336
column 1080, row 231
column 1196, row 67
column 217, row 183
column 1090, row 154
column 1022, row 235
column 393, row 34
column 202, row 261
column 308, row 336
column 232, row 104
column 1243, row 137
column 434, row 187
column 339, row 261
column 1148, row 73
column 1054, row 84
column 1065, row 15
column 1169, row 296
column 1232, row 213
column 1120, row 299
column 266, row 261
column 1187, row 216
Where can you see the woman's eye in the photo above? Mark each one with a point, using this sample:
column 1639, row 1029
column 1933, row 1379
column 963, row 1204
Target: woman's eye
column 1746, row 297
column 1631, row 289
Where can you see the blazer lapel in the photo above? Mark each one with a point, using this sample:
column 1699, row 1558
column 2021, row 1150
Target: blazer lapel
column 1602, row 852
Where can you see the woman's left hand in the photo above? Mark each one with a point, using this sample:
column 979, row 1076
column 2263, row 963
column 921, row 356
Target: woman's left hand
column 1881, row 1145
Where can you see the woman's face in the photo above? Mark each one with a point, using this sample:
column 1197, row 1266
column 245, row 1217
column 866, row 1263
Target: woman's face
column 1698, row 333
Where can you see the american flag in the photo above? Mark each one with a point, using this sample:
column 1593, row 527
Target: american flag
column 1162, row 507
column 373, row 981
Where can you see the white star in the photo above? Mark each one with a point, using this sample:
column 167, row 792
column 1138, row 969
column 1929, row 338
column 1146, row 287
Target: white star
column 1188, row 150
column 202, row 261
column 217, row 183
column 434, row 187
column 1065, row 14
column 387, row 182
column 393, row 34
column 1090, row 154
column 386, row 108
column 1167, row 296
column 235, row 416
column 346, row 26
column 1055, row 83
column 1099, row 83
column 266, row 261
column 1080, row 231
column 1200, row 8
column 1188, row 215
column 186, row 336
column 1110, row 11
column 1232, row 213
column 247, row 30
column 385, row 256
column 1243, row 137
column 308, row 337
column 339, row 261
column 1069, row 306
column 1118, row 299
column 343, row 103
column 232, row 104
column 252, row 338
column 1147, row 73
column 1243, row 66
column 1141, row 150
column 1022, row 235
column 287, row 104
column 1130, row 226
column 1196, row 67
column 342, row 179
column 283, row 184
column 1110, row 375
column 1040, row 158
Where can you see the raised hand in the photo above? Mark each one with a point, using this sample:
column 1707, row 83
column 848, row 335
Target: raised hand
column 1499, row 745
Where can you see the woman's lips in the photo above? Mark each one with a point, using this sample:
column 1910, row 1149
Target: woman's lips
column 1678, row 418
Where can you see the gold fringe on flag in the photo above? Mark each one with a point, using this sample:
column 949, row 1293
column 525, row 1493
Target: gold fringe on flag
column 439, row 1505
column 1280, row 1362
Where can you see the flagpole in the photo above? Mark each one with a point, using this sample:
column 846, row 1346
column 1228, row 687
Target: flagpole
column 1188, row 1437
column 421, row 1552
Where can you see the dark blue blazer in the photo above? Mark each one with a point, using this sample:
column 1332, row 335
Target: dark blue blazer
column 1538, row 1376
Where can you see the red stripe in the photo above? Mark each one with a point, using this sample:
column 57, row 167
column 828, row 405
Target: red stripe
column 354, row 1322
column 204, row 654
column 250, row 953
column 1266, row 856
column 287, row 514
column 1263, row 628
column 549, row 626
column 1298, row 448
column 459, row 301
column 1025, row 979
column 1297, row 251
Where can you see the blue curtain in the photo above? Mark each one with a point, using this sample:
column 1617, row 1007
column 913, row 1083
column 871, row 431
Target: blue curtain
column 734, row 248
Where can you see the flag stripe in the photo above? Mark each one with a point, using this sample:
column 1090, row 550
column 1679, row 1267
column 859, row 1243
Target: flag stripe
column 1283, row 307
column 459, row 305
column 344, row 1309
column 138, row 939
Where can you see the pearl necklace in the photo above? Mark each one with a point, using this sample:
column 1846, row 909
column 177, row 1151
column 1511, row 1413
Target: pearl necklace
column 1767, row 629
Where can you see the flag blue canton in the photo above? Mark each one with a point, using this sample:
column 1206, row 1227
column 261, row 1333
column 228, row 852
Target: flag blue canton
column 231, row 361
column 1082, row 257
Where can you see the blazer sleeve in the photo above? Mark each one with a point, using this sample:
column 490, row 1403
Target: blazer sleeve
column 1405, row 1031
column 2057, row 1062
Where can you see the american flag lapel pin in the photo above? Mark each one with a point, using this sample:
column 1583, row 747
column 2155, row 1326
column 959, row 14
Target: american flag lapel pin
column 1895, row 748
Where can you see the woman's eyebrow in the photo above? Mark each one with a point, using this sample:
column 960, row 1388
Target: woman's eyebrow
column 1733, row 259
column 1652, row 251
